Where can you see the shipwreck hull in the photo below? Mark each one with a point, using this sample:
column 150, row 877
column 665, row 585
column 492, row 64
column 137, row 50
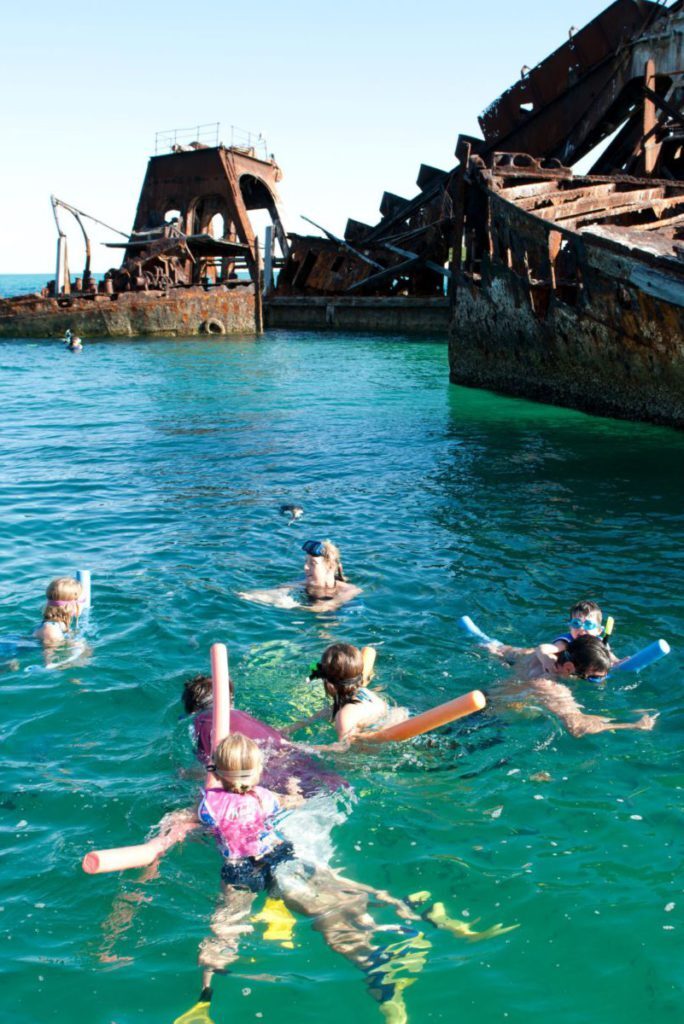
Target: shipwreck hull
column 181, row 312
column 605, row 360
column 571, row 290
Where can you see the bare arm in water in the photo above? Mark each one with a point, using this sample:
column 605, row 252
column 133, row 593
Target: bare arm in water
column 560, row 701
column 282, row 597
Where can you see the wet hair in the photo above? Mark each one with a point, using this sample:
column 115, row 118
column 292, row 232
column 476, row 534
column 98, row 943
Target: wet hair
column 62, row 596
column 331, row 554
column 583, row 608
column 198, row 693
column 589, row 656
column 342, row 666
column 238, row 763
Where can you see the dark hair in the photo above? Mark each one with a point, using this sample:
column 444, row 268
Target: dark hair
column 342, row 666
column 198, row 693
column 588, row 654
column 586, row 608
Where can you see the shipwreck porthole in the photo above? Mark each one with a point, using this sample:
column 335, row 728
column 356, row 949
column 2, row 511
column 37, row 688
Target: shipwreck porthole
column 213, row 326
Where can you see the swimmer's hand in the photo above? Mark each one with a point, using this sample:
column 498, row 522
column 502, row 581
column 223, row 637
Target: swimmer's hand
column 292, row 786
column 290, row 800
column 547, row 656
column 647, row 721
column 437, row 915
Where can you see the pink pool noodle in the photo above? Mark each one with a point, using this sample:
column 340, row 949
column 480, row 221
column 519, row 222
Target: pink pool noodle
column 219, row 675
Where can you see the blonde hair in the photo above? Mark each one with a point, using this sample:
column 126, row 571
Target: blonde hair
column 331, row 556
column 238, row 763
column 62, row 600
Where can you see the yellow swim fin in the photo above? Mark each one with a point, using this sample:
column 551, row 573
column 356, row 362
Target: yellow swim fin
column 438, row 916
column 197, row 1014
column 279, row 922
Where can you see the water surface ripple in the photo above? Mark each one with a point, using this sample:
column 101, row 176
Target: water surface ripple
column 160, row 466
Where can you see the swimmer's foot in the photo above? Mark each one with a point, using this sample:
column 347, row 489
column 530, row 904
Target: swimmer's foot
column 437, row 915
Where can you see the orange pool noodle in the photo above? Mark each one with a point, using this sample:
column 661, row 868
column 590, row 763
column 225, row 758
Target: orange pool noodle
column 221, row 712
column 467, row 704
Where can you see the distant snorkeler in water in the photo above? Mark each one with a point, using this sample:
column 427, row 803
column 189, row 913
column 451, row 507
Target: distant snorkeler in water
column 72, row 341
column 293, row 511
column 325, row 587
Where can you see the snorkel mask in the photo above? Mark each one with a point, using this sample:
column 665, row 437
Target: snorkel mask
column 315, row 548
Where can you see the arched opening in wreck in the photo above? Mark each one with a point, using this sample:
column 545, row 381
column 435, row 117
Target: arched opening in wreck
column 202, row 211
column 217, row 226
column 262, row 208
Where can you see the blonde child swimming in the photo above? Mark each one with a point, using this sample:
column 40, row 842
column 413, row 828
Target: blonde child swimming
column 64, row 598
column 244, row 819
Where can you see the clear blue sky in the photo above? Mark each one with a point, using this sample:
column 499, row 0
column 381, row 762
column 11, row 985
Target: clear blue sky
column 351, row 98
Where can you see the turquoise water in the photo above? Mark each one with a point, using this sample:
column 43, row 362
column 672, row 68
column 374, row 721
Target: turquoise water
column 160, row 466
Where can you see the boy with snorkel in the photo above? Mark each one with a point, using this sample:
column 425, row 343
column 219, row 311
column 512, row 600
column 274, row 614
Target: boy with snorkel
column 586, row 619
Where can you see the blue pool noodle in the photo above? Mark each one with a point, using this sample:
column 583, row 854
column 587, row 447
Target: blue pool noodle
column 645, row 657
column 465, row 622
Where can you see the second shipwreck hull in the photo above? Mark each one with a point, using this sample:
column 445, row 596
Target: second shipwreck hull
column 178, row 313
column 571, row 289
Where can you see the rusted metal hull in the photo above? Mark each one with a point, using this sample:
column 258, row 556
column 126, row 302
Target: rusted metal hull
column 571, row 291
column 606, row 360
column 181, row 312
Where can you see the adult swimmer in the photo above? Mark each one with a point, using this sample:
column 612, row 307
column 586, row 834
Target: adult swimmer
column 325, row 586
column 585, row 657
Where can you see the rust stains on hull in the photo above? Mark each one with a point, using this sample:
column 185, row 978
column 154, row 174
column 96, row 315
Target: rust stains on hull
column 571, row 289
column 178, row 313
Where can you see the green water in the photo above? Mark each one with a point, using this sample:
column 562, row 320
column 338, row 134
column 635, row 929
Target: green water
column 160, row 466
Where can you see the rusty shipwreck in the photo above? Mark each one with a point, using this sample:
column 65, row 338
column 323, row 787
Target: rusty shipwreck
column 191, row 263
column 555, row 285
column 569, row 288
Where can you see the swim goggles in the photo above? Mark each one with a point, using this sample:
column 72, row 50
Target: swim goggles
column 63, row 604
column 593, row 679
column 314, row 548
column 587, row 624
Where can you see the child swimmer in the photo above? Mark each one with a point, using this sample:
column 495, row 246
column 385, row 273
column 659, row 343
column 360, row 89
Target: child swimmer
column 244, row 817
column 586, row 619
column 64, row 600
column 345, row 671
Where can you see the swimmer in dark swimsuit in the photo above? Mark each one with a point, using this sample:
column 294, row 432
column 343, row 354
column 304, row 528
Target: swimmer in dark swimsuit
column 326, row 588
